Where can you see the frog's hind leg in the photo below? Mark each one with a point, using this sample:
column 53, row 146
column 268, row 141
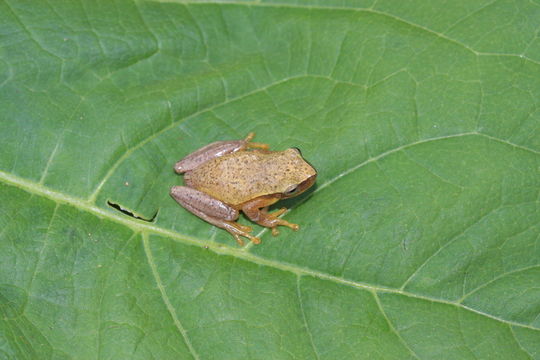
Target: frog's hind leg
column 214, row 150
column 213, row 211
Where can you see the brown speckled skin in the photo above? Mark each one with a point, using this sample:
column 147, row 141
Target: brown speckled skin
column 225, row 177
column 243, row 176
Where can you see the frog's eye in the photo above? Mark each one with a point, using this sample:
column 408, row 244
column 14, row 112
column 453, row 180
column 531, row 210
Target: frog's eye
column 291, row 190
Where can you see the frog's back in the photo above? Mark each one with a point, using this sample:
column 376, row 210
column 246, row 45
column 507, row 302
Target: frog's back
column 238, row 177
column 233, row 178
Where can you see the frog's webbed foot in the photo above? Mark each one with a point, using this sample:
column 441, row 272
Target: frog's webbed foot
column 254, row 145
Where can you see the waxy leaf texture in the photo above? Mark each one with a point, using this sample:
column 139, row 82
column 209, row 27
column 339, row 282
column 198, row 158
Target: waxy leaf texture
column 420, row 240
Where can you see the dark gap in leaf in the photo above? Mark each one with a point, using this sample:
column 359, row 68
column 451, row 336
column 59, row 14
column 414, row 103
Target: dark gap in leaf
column 129, row 213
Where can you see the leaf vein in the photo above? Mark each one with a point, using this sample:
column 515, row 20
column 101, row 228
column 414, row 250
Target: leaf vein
column 446, row 244
column 304, row 319
column 392, row 328
column 514, row 271
column 365, row 10
column 518, row 343
column 165, row 297
column 42, row 250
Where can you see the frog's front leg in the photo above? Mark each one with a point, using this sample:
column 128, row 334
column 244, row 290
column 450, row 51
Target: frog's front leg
column 213, row 211
column 216, row 149
column 257, row 210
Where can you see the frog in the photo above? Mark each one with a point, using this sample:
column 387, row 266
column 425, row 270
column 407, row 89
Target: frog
column 225, row 178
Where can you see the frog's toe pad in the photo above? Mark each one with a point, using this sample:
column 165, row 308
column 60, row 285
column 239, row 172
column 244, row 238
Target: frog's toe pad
column 255, row 240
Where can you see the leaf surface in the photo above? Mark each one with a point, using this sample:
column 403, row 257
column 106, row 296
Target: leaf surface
column 419, row 241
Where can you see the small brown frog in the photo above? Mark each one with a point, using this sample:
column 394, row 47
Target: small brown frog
column 225, row 177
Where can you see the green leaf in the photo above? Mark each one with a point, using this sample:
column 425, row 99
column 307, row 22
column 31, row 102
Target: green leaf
column 421, row 239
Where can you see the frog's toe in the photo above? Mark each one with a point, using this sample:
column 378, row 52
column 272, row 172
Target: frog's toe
column 244, row 228
column 294, row 227
column 237, row 230
column 252, row 238
column 238, row 239
column 253, row 145
column 255, row 240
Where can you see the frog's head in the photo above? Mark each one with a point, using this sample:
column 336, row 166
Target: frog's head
column 300, row 175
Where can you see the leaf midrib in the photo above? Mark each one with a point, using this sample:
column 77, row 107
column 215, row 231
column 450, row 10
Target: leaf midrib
column 220, row 249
